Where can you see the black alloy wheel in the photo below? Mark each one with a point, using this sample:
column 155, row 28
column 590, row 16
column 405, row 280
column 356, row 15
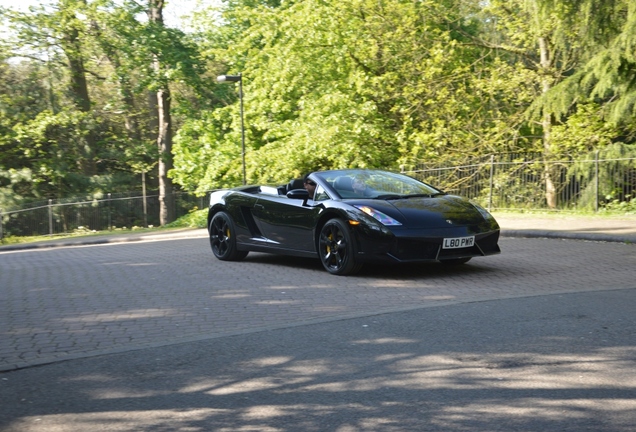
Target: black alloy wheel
column 223, row 238
column 336, row 249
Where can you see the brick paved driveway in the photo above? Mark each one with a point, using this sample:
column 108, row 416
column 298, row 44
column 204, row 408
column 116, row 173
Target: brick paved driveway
column 73, row 302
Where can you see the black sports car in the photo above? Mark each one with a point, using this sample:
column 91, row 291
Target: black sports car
column 354, row 217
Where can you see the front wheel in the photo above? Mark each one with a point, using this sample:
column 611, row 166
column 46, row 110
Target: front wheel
column 223, row 238
column 336, row 249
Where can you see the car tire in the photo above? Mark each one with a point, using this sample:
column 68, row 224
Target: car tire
column 455, row 261
column 223, row 238
column 336, row 248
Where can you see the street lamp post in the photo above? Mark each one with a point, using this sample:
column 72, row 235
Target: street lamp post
column 239, row 79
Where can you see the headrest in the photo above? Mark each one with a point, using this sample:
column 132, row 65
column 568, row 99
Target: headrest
column 295, row 184
column 343, row 183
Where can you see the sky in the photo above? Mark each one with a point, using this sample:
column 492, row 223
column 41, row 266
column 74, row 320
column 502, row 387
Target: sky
column 173, row 11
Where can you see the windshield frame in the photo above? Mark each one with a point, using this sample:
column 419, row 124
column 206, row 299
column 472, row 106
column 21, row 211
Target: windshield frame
column 380, row 184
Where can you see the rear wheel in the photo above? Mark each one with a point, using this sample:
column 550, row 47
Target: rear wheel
column 336, row 249
column 223, row 238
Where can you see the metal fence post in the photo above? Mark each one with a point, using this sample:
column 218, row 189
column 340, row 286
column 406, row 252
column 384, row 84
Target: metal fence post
column 50, row 217
column 492, row 175
column 110, row 226
column 596, row 185
column 145, row 199
column 1, row 233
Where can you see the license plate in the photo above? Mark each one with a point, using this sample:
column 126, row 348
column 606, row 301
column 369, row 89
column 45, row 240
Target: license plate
column 458, row 242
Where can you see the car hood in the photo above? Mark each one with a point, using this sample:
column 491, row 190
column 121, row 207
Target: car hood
column 440, row 211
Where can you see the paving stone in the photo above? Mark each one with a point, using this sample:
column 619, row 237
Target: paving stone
column 96, row 299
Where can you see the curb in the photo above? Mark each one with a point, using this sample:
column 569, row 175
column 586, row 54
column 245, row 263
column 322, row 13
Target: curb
column 172, row 235
column 579, row 235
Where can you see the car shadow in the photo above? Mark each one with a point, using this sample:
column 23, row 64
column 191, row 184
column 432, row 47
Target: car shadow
column 417, row 270
column 374, row 270
column 285, row 261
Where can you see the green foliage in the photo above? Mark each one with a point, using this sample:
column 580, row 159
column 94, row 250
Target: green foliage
column 201, row 153
column 363, row 83
column 606, row 30
column 622, row 207
column 14, row 186
column 57, row 143
column 194, row 219
column 584, row 131
column 356, row 84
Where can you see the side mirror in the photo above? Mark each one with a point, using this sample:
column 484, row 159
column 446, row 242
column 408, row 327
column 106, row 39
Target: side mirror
column 298, row 194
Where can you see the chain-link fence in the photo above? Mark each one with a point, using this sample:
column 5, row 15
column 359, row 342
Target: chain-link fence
column 527, row 181
column 112, row 211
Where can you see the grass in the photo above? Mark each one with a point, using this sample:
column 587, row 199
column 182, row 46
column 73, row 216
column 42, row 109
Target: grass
column 564, row 214
column 194, row 219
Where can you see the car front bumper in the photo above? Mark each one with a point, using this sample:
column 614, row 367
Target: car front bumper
column 422, row 245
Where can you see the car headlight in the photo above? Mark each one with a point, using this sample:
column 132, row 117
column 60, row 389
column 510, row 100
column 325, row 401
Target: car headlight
column 483, row 211
column 378, row 215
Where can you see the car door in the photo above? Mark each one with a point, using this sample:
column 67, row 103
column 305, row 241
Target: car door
column 286, row 222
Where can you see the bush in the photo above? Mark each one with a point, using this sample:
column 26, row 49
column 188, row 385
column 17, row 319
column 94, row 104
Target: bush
column 194, row 219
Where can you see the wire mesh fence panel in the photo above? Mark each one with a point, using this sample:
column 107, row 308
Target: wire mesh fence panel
column 113, row 211
column 28, row 222
column 518, row 182
column 527, row 181
column 70, row 217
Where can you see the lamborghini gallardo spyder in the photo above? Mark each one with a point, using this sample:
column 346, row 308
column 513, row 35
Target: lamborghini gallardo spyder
column 351, row 217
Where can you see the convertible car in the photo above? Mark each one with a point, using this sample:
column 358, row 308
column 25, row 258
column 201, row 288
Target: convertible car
column 353, row 217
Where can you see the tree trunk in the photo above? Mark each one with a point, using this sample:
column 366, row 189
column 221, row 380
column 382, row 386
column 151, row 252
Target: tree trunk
column 546, row 123
column 164, row 141
column 78, row 86
column 164, row 135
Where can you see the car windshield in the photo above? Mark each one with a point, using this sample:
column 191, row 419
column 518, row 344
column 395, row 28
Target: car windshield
column 376, row 185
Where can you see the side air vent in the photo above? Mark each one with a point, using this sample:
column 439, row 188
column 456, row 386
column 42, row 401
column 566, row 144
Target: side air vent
column 250, row 222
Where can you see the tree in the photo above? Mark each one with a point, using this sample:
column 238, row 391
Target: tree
column 164, row 123
column 362, row 83
column 608, row 72
column 57, row 32
column 100, row 121
column 165, row 57
column 538, row 38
